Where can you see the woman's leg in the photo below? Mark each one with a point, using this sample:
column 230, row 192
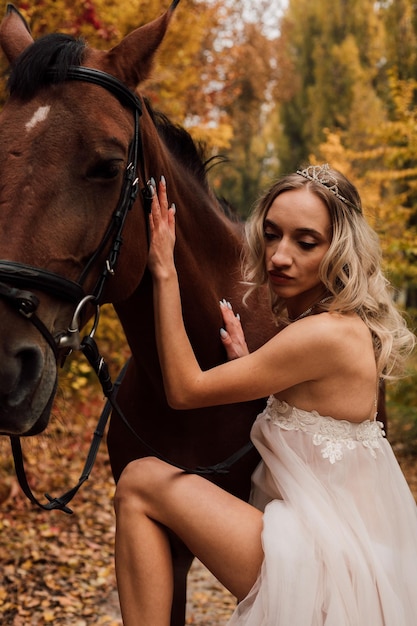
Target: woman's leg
column 221, row 530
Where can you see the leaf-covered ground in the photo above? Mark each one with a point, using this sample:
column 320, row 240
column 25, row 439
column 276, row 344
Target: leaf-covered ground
column 58, row 569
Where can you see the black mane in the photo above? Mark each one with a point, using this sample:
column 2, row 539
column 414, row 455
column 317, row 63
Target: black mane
column 30, row 70
column 191, row 153
column 181, row 144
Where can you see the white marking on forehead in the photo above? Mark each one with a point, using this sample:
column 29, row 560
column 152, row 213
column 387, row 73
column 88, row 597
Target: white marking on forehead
column 39, row 116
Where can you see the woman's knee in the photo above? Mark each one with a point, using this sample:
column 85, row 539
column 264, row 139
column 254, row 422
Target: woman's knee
column 140, row 481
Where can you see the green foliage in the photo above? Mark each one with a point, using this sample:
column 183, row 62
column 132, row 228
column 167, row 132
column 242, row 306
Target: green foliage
column 333, row 47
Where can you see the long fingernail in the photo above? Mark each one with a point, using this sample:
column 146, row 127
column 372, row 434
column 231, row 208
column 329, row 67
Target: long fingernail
column 238, row 316
column 163, row 181
column 223, row 333
column 174, row 208
column 153, row 182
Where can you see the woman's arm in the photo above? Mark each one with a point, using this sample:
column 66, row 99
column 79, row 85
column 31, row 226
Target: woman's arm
column 252, row 376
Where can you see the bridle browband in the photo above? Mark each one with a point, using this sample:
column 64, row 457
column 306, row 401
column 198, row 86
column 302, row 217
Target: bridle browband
column 18, row 277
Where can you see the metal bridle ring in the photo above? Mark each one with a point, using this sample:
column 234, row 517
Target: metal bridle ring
column 71, row 338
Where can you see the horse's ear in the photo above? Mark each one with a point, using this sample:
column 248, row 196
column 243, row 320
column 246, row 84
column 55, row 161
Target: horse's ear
column 132, row 59
column 14, row 33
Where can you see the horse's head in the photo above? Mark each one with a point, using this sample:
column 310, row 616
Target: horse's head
column 68, row 142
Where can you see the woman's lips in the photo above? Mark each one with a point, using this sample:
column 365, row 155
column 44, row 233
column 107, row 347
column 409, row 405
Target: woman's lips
column 279, row 278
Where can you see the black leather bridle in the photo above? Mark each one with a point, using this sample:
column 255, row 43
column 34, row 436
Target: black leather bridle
column 17, row 278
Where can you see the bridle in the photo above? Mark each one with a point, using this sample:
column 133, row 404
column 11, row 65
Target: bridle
column 19, row 278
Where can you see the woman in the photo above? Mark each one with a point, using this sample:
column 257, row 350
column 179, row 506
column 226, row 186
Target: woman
column 330, row 536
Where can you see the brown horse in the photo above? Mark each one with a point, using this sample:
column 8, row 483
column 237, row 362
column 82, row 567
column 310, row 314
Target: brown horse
column 70, row 133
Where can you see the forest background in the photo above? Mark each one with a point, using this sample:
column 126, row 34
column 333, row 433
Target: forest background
column 269, row 86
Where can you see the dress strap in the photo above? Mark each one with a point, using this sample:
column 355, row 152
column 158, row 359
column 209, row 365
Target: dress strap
column 374, row 412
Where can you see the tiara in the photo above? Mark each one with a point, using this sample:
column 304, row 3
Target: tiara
column 322, row 174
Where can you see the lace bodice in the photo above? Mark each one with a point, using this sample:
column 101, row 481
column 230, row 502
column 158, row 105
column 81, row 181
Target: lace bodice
column 332, row 435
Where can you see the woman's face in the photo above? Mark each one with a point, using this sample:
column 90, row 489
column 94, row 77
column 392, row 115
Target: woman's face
column 297, row 236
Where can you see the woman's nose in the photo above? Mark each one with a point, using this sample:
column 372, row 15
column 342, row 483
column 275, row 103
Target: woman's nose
column 281, row 255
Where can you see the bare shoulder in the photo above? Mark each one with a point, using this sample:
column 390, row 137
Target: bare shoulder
column 333, row 332
column 333, row 357
column 329, row 326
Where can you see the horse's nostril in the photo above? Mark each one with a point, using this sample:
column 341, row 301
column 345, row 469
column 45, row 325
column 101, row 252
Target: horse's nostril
column 24, row 370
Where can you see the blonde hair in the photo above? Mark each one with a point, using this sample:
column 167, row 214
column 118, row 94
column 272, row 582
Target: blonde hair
column 350, row 270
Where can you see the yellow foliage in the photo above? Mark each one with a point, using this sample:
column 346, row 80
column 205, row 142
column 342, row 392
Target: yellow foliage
column 77, row 378
column 383, row 165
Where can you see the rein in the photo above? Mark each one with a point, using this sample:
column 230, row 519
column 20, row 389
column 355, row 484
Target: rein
column 26, row 303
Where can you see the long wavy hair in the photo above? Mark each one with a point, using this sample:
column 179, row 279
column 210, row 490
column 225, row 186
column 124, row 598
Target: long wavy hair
column 350, row 270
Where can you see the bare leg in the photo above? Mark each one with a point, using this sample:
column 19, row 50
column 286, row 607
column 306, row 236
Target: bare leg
column 221, row 530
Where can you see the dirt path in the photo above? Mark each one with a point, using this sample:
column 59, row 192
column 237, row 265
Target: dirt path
column 209, row 604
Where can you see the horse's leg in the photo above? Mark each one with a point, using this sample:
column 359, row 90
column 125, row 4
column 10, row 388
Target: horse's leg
column 182, row 559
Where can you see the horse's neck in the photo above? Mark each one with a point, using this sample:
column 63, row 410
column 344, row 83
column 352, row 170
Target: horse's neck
column 208, row 249
column 207, row 259
column 209, row 244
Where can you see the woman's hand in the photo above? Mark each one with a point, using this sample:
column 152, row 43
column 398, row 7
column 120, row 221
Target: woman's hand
column 162, row 231
column 232, row 335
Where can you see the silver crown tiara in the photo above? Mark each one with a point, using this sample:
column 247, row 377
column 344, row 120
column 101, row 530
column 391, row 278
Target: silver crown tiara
column 322, row 174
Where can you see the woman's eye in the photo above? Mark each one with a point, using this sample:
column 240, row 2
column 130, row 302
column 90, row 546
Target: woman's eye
column 307, row 245
column 269, row 236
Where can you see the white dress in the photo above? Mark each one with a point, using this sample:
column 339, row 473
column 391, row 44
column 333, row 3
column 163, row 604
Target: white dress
column 340, row 525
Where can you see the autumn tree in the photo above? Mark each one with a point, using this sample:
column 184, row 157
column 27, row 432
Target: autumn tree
column 400, row 21
column 103, row 23
column 335, row 48
column 249, row 107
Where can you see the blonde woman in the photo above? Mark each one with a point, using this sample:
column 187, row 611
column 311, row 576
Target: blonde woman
column 330, row 535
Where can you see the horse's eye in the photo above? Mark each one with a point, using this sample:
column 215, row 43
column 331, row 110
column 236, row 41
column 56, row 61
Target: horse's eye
column 105, row 169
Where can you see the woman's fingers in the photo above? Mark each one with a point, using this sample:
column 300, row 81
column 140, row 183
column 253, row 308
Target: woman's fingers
column 232, row 335
column 162, row 228
column 160, row 209
column 231, row 320
column 162, row 195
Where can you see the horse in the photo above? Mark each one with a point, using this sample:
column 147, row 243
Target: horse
column 78, row 144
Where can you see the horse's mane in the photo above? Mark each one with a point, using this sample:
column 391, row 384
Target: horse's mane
column 181, row 145
column 191, row 153
column 30, row 70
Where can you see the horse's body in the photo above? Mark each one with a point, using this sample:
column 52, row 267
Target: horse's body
column 63, row 152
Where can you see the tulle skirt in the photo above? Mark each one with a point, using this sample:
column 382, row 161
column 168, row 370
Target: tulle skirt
column 340, row 525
